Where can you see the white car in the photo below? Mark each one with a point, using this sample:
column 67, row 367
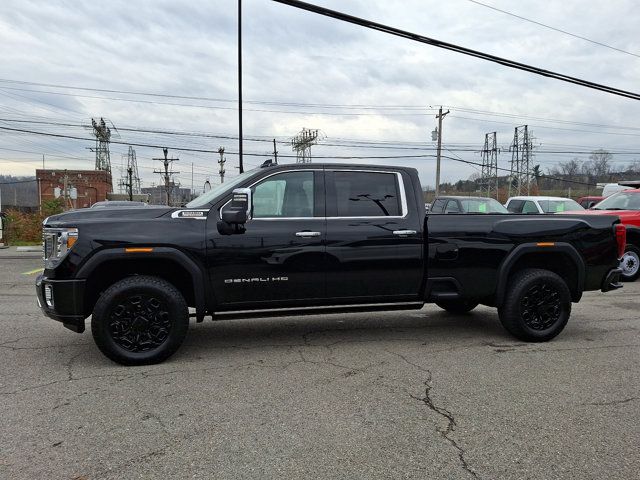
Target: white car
column 541, row 205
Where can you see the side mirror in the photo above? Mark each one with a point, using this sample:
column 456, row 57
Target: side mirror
column 239, row 210
column 236, row 213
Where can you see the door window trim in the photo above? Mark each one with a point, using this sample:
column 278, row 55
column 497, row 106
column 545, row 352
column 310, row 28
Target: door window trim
column 399, row 180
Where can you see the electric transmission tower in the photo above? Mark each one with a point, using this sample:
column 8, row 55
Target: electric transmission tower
column 103, row 137
column 301, row 144
column 130, row 179
column 221, row 162
column 166, row 173
column 489, row 175
column 521, row 155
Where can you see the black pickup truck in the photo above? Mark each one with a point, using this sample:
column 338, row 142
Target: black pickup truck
column 309, row 238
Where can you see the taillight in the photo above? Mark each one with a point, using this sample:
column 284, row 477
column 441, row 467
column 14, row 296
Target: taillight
column 621, row 238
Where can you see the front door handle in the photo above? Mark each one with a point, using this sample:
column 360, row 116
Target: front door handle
column 403, row 233
column 306, row 234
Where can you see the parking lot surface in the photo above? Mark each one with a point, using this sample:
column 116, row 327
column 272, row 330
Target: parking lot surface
column 415, row 394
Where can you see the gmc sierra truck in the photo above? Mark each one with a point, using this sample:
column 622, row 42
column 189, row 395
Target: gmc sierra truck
column 310, row 238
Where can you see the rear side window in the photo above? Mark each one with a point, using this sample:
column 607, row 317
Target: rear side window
column 367, row 194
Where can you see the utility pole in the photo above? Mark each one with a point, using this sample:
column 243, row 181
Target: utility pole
column 489, row 175
column 167, row 173
column 66, row 188
column 521, row 155
column 275, row 152
column 221, row 162
column 240, row 86
column 439, row 116
column 301, row 144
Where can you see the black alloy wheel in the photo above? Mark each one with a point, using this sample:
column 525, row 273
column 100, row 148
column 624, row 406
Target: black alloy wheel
column 140, row 320
column 537, row 305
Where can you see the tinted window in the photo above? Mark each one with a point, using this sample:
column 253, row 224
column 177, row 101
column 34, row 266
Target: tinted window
column 484, row 205
column 559, row 206
column 452, row 207
column 365, row 194
column 515, row 206
column 438, row 206
column 529, row 207
column 284, row 195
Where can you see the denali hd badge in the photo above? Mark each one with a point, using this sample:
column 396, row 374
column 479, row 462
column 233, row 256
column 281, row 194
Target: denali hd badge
column 256, row 280
column 197, row 214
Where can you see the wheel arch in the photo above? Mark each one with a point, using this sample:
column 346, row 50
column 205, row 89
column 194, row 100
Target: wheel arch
column 558, row 257
column 111, row 265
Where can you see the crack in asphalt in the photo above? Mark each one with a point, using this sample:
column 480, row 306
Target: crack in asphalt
column 443, row 412
column 612, row 402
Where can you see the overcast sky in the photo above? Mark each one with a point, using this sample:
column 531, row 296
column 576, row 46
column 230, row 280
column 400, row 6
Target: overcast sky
column 296, row 57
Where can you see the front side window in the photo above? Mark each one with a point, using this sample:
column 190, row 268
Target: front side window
column 367, row 194
column 452, row 207
column 438, row 206
column 529, row 207
column 284, row 195
column 515, row 206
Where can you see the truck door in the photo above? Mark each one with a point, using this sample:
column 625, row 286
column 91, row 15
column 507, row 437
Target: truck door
column 374, row 237
column 279, row 257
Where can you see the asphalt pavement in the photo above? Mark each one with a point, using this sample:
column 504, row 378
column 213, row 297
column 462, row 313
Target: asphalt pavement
column 418, row 394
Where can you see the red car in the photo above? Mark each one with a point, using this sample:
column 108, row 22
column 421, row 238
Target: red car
column 626, row 205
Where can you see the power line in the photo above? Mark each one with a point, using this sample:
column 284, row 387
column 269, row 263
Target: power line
column 595, row 42
column 457, row 48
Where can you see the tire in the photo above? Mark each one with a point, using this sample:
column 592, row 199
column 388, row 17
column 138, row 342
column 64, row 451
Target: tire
column 140, row 320
column 630, row 264
column 537, row 305
column 457, row 306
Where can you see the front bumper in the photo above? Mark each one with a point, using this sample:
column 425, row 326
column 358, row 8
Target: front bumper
column 65, row 303
column 612, row 280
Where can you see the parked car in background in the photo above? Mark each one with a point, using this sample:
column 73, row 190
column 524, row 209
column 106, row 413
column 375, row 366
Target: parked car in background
column 588, row 202
column 453, row 204
column 541, row 204
column 611, row 188
column 626, row 206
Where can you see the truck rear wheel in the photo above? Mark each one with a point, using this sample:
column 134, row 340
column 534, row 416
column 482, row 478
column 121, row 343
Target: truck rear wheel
column 630, row 264
column 457, row 306
column 537, row 305
column 140, row 320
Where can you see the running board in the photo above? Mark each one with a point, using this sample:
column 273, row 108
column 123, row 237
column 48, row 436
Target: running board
column 323, row 310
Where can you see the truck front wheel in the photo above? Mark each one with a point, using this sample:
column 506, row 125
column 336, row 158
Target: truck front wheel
column 537, row 305
column 140, row 320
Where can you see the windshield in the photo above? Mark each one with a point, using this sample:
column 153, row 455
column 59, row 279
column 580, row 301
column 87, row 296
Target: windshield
column 620, row 201
column 485, row 205
column 559, row 206
column 218, row 190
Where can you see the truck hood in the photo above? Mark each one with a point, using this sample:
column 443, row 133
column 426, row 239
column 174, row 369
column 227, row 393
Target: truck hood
column 97, row 214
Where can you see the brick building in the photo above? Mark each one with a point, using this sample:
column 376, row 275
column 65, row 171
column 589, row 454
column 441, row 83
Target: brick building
column 91, row 186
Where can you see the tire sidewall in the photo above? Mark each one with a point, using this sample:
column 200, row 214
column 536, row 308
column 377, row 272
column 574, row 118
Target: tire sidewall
column 634, row 277
column 176, row 306
column 512, row 312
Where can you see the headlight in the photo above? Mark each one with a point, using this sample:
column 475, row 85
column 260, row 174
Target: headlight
column 56, row 243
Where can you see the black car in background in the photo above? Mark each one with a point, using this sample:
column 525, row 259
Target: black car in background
column 457, row 204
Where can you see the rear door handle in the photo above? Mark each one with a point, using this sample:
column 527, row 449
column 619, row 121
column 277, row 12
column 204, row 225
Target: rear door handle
column 403, row 233
column 307, row 234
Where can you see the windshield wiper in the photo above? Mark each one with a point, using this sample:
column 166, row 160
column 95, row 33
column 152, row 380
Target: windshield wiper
column 612, row 208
